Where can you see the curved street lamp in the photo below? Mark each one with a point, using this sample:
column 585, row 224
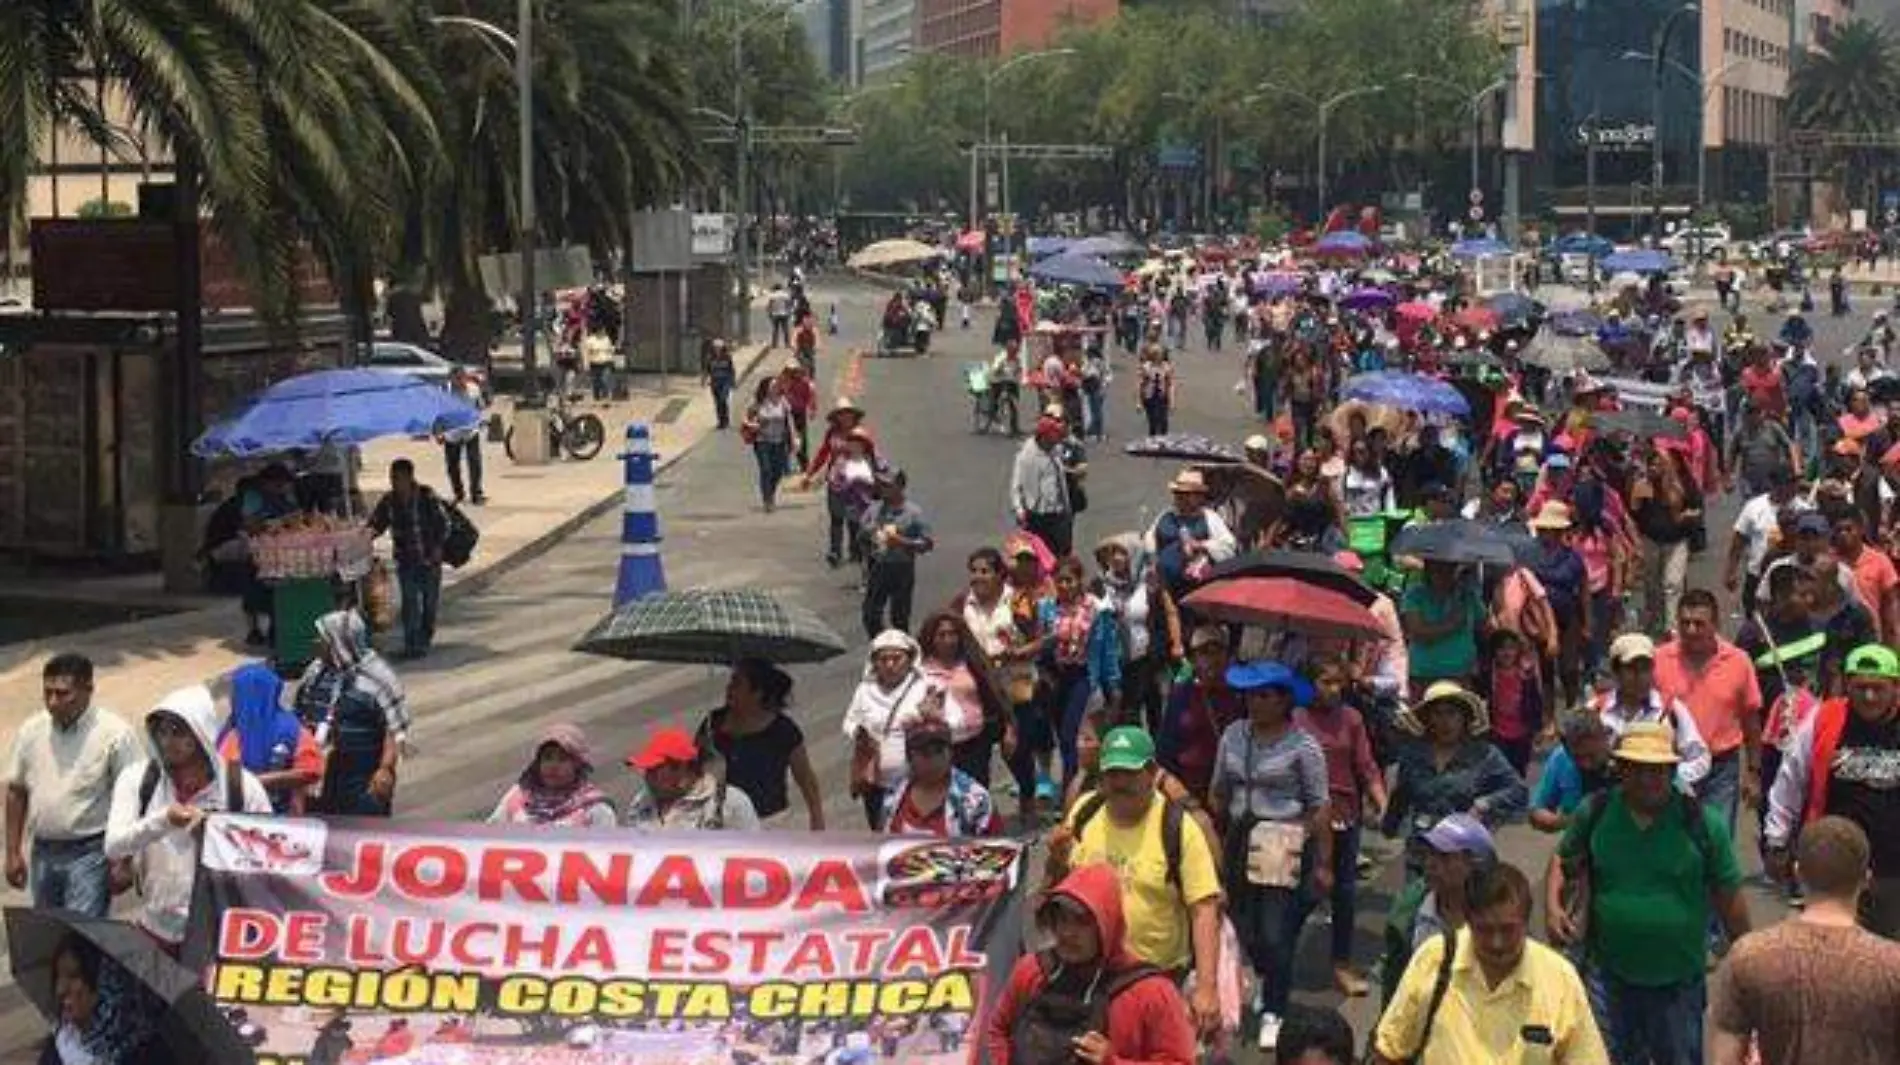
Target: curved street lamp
column 989, row 80
column 1322, row 110
column 1474, row 105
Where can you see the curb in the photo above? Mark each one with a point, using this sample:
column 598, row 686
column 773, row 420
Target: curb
column 548, row 541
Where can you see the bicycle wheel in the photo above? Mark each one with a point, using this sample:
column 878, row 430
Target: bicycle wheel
column 1004, row 411
column 584, row 436
column 981, row 415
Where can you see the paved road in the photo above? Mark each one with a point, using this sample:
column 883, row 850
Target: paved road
column 504, row 670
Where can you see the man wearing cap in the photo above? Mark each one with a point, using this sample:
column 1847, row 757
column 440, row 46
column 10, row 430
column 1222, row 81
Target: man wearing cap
column 1716, row 681
column 679, row 793
column 1845, row 761
column 1756, row 529
column 1434, row 904
column 1173, row 908
column 1039, row 488
column 1189, row 538
column 1636, row 878
column 1634, row 700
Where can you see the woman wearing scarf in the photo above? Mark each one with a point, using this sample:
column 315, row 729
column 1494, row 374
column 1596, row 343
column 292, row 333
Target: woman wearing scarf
column 105, row 1017
column 557, row 787
column 893, row 694
column 1150, row 626
column 270, row 741
column 1081, row 655
column 354, row 703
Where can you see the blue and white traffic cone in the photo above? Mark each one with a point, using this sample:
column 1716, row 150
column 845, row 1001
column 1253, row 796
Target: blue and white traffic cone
column 640, row 571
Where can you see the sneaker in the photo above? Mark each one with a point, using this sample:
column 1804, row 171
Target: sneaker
column 1046, row 789
column 1269, row 1031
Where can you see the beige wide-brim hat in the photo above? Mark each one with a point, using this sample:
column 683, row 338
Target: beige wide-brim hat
column 1188, row 481
column 1554, row 514
column 1647, row 743
column 1447, row 692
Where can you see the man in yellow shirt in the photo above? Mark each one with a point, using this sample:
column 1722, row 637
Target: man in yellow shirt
column 1502, row 999
column 1171, row 892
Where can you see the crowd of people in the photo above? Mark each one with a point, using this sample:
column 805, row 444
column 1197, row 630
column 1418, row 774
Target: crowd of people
column 1210, row 784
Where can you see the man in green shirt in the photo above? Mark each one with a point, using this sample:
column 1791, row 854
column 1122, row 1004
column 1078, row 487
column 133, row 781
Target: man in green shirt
column 1635, row 878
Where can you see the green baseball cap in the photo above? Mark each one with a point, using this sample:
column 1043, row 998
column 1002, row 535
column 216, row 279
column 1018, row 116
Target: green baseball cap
column 1127, row 747
column 1874, row 660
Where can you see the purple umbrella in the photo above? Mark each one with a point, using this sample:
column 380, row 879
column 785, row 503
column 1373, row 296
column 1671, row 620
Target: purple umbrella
column 1365, row 299
column 1277, row 284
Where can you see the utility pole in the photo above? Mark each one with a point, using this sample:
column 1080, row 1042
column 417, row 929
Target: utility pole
column 530, row 296
column 1658, row 55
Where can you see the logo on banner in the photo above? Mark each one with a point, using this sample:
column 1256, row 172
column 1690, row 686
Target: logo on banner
column 932, row 873
column 275, row 846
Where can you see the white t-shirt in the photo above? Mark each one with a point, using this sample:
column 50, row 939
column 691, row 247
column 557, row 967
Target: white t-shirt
column 1758, row 523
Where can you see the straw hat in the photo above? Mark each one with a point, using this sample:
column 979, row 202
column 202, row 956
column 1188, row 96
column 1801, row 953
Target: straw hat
column 1647, row 743
column 844, row 405
column 1554, row 514
column 1189, row 480
column 1477, row 717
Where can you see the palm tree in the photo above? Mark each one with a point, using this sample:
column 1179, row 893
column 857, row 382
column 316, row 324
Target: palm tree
column 1850, row 88
column 289, row 113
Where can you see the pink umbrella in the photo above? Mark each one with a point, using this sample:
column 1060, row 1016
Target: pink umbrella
column 1417, row 311
column 971, row 240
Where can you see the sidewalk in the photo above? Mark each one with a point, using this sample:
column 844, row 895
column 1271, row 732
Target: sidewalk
column 529, row 510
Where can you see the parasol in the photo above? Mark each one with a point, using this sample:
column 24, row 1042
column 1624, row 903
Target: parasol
column 893, row 253
column 1478, row 319
column 1344, row 243
column 1417, row 311
column 1459, row 541
column 1303, row 566
column 1365, row 299
column 1407, row 391
column 712, row 627
column 1562, row 353
column 1286, row 604
column 1639, row 422
column 1190, row 446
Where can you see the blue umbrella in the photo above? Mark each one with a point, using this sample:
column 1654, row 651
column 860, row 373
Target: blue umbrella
column 1043, row 247
column 1582, row 244
column 1639, row 261
column 1083, row 271
column 1514, row 308
column 1479, row 248
column 338, row 408
column 1109, row 246
column 1278, row 284
column 1578, row 323
column 1344, row 242
column 1360, row 299
column 1407, row 391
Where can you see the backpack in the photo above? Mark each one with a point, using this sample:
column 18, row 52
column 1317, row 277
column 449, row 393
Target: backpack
column 1046, row 1030
column 1172, row 814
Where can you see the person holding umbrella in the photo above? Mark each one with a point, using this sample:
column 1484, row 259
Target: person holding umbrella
column 105, row 1017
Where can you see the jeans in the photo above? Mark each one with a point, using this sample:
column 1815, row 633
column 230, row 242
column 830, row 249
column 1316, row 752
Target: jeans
column 1268, row 920
column 1604, row 612
column 1070, row 702
column 1665, row 569
column 421, row 594
column 1649, row 1025
column 1345, row 897
column 781, row 327
column 1157, row 411
column 772, row 456
column 889, row 584
column 1034, row 738
column 1305, row 419
column 722, row 400
column 1807, row 438
column 1721, row 790
column 71, row 874
column 1096, row 400
column 801, row 427
column 454, row 452
column 598, row 373
column 843, row 534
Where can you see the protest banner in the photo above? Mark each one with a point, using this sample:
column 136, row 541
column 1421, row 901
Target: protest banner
column 350, row 941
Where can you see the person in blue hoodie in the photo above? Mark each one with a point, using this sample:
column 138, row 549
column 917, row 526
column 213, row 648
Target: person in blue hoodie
column 269, row 740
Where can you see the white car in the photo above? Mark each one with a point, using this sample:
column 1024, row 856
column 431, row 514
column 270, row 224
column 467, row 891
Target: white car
column 1708, row 242
column 393, row 356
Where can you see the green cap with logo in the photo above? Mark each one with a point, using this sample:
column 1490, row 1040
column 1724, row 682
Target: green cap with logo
column 1127, row 747
column 1874, row 660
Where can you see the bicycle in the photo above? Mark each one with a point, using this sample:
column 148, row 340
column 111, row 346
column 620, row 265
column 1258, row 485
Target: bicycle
column 580, row 435
column 992, row 408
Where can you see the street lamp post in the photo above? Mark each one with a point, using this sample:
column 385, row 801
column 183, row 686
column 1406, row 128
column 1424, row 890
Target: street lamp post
column 989, row 81
column 1322, row 110
column 742, row 165
column 1705, row 89
column 1474, row 104
column 1657, row 55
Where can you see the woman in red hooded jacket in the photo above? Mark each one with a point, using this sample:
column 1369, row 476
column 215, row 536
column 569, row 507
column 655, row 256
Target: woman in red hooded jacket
column 1086, row 999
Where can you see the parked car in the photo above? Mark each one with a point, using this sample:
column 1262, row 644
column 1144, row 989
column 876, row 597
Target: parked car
column 1708, row 242
column 394, row 356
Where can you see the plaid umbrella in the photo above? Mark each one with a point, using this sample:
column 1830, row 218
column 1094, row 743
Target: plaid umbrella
column 1192, row 447
column 712, row 627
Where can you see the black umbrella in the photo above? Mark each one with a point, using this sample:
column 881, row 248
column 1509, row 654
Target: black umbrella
column 1560, row 352
column 1304, row 566
column 1459, row 541
column 168, row 998
column 1192, row 447
column 1639, row 422
column 712, row 627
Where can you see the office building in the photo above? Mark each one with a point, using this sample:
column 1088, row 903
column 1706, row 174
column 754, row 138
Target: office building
column 883, row 34
column 827, row 28
column 985, row 28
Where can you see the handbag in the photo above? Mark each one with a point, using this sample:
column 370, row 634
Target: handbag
column 460, row 537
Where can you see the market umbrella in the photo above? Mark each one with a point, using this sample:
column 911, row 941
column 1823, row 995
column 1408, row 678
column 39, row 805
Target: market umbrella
column 1343, row 243
column 1639, row 422
column 1364, row 299
column 1303, row 566
column 1277, row 283
column 1478, row 319
column 1043, row 247
column 1563, row 353
column 893, row 253
column 1479, row 248
column 1458, row 540
column 1286, row 604
column 1111, row 246
column 1082, row 271
column 336, row 408
column 1582, row 244
column 1638, row 261
column 1192, row 447
column 712, row 627
column 1417, row 311
column 1252, row 496
column 1577, row 323
column 1407, row 391
column 165, row 995
column 1513, row 308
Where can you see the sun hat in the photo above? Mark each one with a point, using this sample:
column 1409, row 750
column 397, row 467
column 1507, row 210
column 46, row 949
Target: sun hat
column 1256, row 442
column 1460, row 834
column 1873, row 660
column 1207, row 636
column 1450, row 692
column 1632, row 647
column 845, row 405
column 1188, row 481
column 1127, row 748
column 1261, row 676
column 668, row 744
column 1554, row 514
column 1647, row 743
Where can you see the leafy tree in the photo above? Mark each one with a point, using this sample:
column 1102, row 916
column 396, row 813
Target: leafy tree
column 1851, row 87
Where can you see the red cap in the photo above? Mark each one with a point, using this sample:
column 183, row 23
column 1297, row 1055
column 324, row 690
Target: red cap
column 669, row 744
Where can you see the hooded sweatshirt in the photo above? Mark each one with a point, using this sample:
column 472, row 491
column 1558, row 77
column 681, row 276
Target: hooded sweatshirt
column 167, row 857
column 884, row 713
column 1147, row 1021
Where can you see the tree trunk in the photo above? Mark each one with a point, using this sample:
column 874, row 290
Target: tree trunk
column 467, row 323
